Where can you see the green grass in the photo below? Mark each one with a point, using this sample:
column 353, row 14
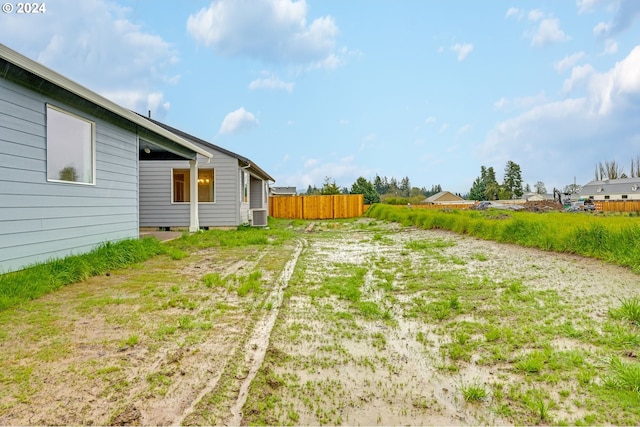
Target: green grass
column 610, row 238
column 624, row 375
column 473, row 392
column 629, row 310
column 40, row 279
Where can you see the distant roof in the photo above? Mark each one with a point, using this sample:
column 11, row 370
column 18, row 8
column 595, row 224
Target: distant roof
column 439, row 195
column 69, row 85
column 611, row 186
column 207, row 144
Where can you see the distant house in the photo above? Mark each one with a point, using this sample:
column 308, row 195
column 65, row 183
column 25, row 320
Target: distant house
column 612, row 189
column 283, row 191
column 69, row 165
column 444, row 197
column 537, row 197
column 232, row 190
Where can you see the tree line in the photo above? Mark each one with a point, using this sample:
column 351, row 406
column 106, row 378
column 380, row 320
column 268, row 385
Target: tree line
column 484, row 187
column 380, row 189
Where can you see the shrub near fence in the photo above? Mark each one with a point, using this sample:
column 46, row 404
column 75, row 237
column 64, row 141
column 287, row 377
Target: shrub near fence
column 317, row 207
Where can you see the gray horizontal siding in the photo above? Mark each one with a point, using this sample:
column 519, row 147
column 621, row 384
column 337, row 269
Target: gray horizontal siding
column 156, row 209
column 40, row 220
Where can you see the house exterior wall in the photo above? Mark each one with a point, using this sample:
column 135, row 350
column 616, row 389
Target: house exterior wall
column 40, row 220
column 613, row 197
column 157, row 209
column 611, row 190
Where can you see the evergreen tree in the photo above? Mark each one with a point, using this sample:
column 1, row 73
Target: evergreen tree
column 329, row 187
column 491, row 186
column 377, row 184
column 512, row 179
column 362, row 186
column 477, row 191
column 405, row 187
column 393, row 187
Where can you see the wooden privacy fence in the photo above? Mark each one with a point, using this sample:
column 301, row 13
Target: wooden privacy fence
column 618, row 205
column 317, row 207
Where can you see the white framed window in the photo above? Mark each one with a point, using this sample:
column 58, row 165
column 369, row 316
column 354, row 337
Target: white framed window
column 181, row 186
column 71, row 148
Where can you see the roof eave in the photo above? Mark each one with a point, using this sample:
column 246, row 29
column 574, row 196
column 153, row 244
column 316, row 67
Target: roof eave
column 81, row 91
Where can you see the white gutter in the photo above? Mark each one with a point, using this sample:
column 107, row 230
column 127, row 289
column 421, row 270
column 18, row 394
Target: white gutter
column 73, row 87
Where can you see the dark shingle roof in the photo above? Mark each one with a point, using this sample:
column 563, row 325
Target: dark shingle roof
column 209, row 145
column 611, row 186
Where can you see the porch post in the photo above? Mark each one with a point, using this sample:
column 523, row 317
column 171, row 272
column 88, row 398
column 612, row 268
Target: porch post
column 194, row 223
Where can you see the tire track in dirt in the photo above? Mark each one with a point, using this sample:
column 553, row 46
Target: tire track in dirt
column 254, row 350
column 256, row 347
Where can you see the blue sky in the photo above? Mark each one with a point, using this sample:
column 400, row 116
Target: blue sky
column 431, row 90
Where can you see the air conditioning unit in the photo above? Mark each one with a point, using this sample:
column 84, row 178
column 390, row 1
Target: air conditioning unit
column 258, row 217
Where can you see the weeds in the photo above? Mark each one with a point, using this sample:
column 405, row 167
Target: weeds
column 473, row 392
column 40, row 279
column 612, row 238
column 629, row 310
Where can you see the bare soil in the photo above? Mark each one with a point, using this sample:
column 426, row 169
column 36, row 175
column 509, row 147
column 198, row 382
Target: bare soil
column 155, row 345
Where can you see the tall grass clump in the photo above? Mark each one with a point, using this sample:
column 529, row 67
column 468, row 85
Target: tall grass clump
column 610, row 238
column 276, row 234
column 624, row 375
column 629, row 310
column 40, row 279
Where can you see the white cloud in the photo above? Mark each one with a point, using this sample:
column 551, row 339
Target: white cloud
column 238, row 120
column 271, row 82
column 627, row 12
column 343, row 171
column 140, row 101
column 343, row 122
column 430, row 120
column 501, row 103
column 515, row 12
column 610, row 47
column 270, row 30
column 548, row 32
column 611, row 90
column 519, row 103
column 535, row 15
column 601, row 29
column 590, row 127
column 444, row 127
column 567, row 62
column 587, row 5
column 464, row 129
column 96, row 43
column 463, row 50
column 310, row 163
column 579, row 75
column 370, row 137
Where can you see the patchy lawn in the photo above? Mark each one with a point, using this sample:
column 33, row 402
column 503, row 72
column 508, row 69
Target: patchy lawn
column 356, row 322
